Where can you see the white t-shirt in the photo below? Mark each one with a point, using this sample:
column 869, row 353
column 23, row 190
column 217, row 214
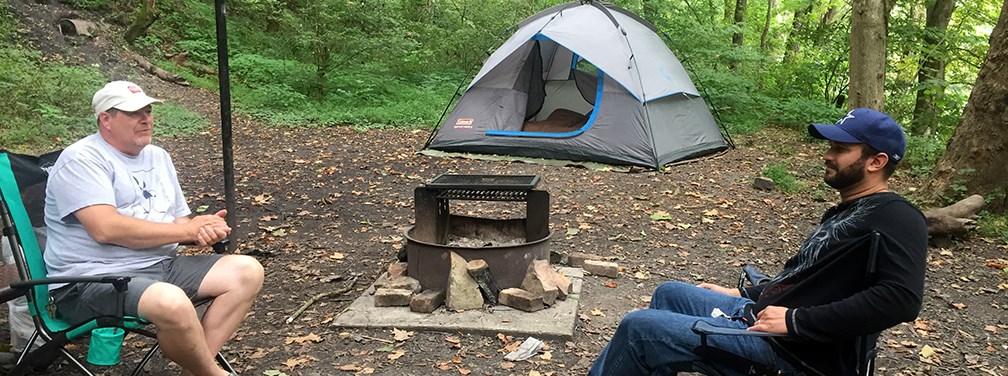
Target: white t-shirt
column 92, row 172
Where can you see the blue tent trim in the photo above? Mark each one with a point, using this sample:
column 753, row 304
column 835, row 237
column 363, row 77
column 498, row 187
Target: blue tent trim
column 574, row 133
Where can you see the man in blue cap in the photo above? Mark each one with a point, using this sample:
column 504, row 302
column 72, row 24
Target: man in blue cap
column 821, row 299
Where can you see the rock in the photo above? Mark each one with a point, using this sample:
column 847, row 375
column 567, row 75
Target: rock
column 462, row 292
column 402, row 282
column 602, row 268
column 577, row 259
column 427, row 301
column 521, row 299
column 539, row 281
column 384, row 297
column 763, row 184
column 396, row 269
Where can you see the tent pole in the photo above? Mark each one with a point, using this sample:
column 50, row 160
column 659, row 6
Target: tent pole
column 224, row 82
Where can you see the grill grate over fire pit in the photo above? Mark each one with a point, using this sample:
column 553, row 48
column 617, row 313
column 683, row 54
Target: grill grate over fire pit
column 507, row 245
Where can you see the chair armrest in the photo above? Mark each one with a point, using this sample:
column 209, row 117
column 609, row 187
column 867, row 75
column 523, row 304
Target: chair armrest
column 9, row 294
column 116, row 280
column 705, row 328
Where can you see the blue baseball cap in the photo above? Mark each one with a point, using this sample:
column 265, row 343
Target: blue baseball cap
column 865, row 126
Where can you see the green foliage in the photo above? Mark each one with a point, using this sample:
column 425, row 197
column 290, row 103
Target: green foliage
column 993, row 226
column 173, row 120
column 89, row 4
column 45, row 104
column 922, row 154
column 782, row 177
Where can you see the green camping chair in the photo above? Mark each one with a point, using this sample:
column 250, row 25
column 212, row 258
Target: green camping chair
column 864, row 345
column 53, row 332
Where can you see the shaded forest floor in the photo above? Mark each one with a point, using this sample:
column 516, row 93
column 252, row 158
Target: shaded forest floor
column 320, row 206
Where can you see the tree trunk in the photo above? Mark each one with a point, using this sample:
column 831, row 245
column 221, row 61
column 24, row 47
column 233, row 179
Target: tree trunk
column 771, row 4
column 977, row 153
column 867, row 55
column 740, row 8
column 143, row 21
column 824, row 27
column 797, row 29
column 931, row 76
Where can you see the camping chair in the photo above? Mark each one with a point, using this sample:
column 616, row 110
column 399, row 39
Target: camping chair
column 53, row 332
column 865, row 345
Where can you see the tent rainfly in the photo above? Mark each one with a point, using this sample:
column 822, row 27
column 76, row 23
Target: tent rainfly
column 583, row 81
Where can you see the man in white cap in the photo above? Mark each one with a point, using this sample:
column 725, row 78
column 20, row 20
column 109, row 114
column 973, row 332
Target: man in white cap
column 821, row 299
column 114, row 207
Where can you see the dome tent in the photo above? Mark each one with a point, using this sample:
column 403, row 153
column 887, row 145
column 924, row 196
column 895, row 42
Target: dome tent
column 583, row 81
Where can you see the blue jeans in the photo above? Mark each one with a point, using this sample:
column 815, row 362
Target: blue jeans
column 660, row 339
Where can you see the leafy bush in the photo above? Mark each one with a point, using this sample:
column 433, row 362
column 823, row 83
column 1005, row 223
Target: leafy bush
column 782, row 177
column 922, row 153
column 173, row 120
column 45, row 105
column 200, row 51
column 993, row 226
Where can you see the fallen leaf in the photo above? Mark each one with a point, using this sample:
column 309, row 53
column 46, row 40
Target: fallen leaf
column 273, row 372
column 310, row 337
column 298, row 361
column 401, row 335
column 610, row 284
column 927, row 351
column 396, row 355
column 349, row 367
column 597, row 312
column 454, row 340
column 546, row 356
column 507, row 365
column 463, row 371
column 661, row 215
column 259, row 354
column 337, row 256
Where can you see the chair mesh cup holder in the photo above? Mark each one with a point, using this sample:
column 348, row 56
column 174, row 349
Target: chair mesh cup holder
column 105, row 346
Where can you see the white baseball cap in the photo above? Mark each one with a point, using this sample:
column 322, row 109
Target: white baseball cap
column 121, row 95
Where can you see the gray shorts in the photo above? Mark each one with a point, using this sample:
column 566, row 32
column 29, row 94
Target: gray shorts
column 84, row 301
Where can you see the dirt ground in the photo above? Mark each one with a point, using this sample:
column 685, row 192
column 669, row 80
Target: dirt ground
column 320, row 206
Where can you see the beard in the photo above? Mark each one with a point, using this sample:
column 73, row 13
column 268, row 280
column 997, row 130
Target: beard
column 847, row 177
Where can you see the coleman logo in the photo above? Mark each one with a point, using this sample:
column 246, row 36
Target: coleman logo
column 134, row 89
column 463, row 123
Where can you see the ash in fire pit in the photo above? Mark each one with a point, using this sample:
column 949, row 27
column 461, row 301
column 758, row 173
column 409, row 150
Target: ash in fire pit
column 507, row 245
column 458, row 241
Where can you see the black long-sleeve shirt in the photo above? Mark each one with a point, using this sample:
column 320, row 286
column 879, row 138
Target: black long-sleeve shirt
column 831, row 299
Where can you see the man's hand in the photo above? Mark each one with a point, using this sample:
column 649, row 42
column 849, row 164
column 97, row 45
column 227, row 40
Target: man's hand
column 721, row 289
column 771, row 320
column 209, row 229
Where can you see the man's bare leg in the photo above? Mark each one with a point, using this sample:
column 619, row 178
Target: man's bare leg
column 179, row 331
column 234, row 281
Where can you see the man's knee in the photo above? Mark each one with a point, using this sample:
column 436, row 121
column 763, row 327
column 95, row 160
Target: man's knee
column 672, row 289
column 165, row 304
column 249, row 271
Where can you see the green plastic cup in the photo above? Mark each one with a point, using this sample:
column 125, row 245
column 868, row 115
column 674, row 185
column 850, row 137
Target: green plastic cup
column 105, row 346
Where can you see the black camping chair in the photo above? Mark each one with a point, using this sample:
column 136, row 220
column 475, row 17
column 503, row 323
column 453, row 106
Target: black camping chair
column 865, row 345
column 28, row 172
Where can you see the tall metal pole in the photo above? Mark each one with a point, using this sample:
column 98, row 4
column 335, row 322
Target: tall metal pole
column 224, row 82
